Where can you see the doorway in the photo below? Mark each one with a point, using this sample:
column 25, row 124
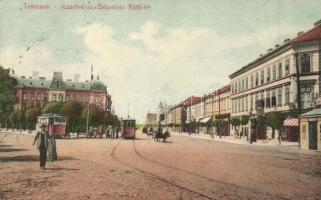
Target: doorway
column 313, row 135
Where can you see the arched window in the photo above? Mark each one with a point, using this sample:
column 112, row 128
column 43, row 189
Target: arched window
column 305, row 63
column 287, row 95
column 279, row 97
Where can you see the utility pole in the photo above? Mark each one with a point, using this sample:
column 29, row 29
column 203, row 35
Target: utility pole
column 219, row 113
column 88, row 110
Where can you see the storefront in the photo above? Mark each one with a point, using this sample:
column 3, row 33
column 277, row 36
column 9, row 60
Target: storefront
column 291, row 130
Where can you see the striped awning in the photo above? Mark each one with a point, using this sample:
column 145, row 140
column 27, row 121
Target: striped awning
column 291, row 122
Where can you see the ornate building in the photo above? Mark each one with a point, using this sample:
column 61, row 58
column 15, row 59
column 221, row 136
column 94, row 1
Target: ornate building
column 37, row 92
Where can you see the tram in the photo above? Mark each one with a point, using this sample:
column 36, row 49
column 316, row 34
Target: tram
column 55, row 124
column 128, row 128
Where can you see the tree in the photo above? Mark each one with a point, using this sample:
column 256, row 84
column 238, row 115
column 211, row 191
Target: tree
column 72, row 110
column 275, row 121
column 54, row 108
column 7, row 98
column 14, row 117
column 235, row 122
column 31, row 117
column 244, row 120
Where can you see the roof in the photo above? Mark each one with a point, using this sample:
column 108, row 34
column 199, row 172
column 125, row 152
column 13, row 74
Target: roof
column 312, row 113
column 191, row 100
column 67, row 85
column 313, row 34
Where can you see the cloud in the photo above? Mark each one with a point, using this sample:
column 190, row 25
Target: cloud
column 152, row 63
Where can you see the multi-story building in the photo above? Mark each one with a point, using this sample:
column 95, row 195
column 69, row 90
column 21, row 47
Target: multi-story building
column 190, row 123
column 222, row 110
column 37, row 92
column 285, row 79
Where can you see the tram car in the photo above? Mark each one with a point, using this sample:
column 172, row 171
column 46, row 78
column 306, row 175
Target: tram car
column 55, row 124
column 128, row 128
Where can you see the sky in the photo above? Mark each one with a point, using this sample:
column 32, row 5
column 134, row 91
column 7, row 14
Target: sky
column 166, row 52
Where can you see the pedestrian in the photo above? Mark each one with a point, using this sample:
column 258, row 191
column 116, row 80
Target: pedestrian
column 117, row 133
column 42, row 142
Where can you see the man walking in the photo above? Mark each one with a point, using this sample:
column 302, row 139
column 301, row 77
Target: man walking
column 42, row 142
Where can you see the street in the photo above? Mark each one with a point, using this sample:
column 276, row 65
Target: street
column 181, row 168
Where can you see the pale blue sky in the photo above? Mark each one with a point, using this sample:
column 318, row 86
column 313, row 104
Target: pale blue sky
column 173, row 50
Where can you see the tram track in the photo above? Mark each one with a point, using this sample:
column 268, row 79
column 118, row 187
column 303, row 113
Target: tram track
column 113, row 156
column 201, row 176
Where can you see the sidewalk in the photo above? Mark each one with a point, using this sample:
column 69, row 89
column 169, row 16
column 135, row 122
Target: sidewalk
column 231, row 139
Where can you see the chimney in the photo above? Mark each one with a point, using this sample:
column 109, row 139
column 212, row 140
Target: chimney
column 269, row 50
column 286, row 40
column 261, row 55
column 300, row 33
column 277, row 46
column 42, row 78
column 35, row 75
column 76, row 77
column 317, row 23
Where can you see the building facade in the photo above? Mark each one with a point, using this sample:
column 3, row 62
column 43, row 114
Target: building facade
column 37, row 92
column 286, row 79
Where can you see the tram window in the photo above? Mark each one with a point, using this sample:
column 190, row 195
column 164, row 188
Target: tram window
column 51, row 120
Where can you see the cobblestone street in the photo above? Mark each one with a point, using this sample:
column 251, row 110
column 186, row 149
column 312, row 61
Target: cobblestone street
column 181, row 168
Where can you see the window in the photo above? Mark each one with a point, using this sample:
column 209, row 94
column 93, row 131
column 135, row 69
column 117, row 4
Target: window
column 251, row 102
column 287, row 67
column 256, row 78
column 24, row 96
column 280, row 70
column 279, row 97
column 274, row 72
column 243, row 84
column 273, row 98
column 239, row 86
column 32, row 96
column 268, row 75
column 246, row 83
column 80, row 98
column 268, row 99
column 306, row 94
column 246, row 102
column 251, row 81
column 242, row 99
column 287, row 95
column 60, row 97
column 45, row 97
column 262, row 77
column 235, row 87
column 67, row 97
column 239, row 105
column 38, row 96
column 54, row 97
column 256, row 102
column 305, row 63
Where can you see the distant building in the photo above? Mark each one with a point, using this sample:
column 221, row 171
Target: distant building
column 151, row 119
column 37, row 92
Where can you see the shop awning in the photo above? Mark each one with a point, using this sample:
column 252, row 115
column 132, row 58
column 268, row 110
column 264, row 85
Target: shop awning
column 291, row 122
column 205, row 120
